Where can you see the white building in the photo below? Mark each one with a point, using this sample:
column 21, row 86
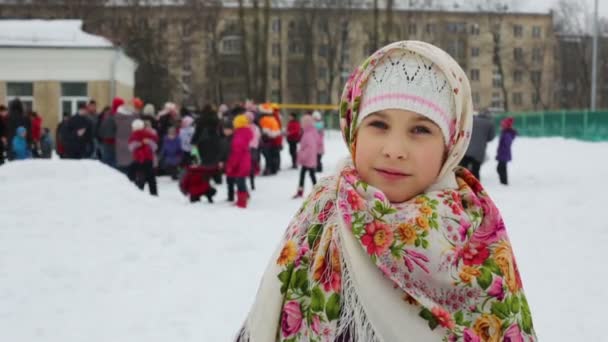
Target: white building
column 52, row 66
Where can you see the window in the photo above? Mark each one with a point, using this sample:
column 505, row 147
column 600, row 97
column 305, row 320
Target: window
column 535, row 98
column 518, row 31
column 275, row 95
column 474, row 30
column 517, row 99
column 456, row 27
column 276, row 25
column 231, row 45
column 73, row 94
column 496, row 79
column 322, row 73
column 536, row 31
column 474, row 74
column 517, row 76
column 276, row 49
column 323, row 50
column 322, row 97
column 475, row 52
column 456, row 49
column 518, row 54
column 412, row 29
column 476, row 99
column 496, row 100
column 537, row 55
column 535, row 77
column 295, row 48
column 431, row 28
column 22, row 90
column 276, row 72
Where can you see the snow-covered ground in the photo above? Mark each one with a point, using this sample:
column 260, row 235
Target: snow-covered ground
column 85, row 256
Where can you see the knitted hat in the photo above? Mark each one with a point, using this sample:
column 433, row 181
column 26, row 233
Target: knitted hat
column 507, row 122
column 240, row 121
column 317, row 115
column 124, row 110
column 138, row 103
column 187, row 121
column 265, row 108
column 116, row 102
column 137, row 124
column 443, row 65
column 406, row 80
column 250, row 115
column 149, row 109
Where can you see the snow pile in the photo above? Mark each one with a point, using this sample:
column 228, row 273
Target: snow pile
column 48, row 33
column 84, row 255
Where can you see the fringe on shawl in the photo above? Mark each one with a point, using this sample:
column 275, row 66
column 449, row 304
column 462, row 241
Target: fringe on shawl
column 353, row 321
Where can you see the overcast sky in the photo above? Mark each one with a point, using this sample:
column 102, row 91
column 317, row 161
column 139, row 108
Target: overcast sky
column 544, row 5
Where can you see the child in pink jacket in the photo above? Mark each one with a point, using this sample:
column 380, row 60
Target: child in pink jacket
column 238, row 166
column 308, row 152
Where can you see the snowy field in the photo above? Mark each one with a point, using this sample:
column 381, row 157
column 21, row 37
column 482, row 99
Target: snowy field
column 85, row 256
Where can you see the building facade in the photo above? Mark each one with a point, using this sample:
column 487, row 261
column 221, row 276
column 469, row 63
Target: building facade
column 295, row 55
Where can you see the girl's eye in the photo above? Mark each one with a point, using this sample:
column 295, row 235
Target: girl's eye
column 378, row 124
column 421, row 130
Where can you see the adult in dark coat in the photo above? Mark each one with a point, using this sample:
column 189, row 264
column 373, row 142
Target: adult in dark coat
column 483, row 132
column 3, row 132
column 207, row 138
column 78, row 137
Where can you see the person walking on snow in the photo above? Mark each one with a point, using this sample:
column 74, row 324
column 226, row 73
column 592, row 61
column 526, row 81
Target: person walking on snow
column 142, row 144
column 294, row 134
column 503, row 155
column 308, row 153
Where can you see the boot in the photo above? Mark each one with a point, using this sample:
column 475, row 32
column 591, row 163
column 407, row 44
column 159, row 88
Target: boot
column 210, row 194
column 299, row 194
column 241, row 199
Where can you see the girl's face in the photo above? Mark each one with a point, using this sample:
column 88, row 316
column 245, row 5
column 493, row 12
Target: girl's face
column 399, row 152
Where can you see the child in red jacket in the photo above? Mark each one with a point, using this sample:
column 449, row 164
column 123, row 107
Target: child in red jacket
column 143, row 144
column 294, row 134
column 195, row 182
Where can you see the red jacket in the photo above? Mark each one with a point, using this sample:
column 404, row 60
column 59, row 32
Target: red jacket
column 36, row 128
column 195, row 181
column 294, row 131
column 143, row 151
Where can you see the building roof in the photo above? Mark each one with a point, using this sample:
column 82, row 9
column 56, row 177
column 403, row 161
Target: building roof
column 48, row 33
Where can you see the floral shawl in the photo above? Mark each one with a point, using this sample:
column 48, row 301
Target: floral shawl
column 354, row 267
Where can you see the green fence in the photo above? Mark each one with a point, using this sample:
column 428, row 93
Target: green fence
column 582, row 125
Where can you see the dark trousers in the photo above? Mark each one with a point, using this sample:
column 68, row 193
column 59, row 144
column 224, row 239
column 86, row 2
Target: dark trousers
column 472, row 165
column 319, row 164
column 293, row 151
column 2, row 149
column 502, row 172
column 143, row 173
column 311, row 171
column 275, row 157
column 241, row 186
column 255, row 160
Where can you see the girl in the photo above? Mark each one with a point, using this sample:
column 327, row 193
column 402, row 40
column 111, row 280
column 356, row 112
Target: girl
column 503, row 156
column 185, row 136
column 309, row 150
column 19, row 144
column 238, row 166
column 254, row 148
column 401, row 244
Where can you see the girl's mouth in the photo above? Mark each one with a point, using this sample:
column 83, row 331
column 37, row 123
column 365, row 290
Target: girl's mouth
column 391, row 174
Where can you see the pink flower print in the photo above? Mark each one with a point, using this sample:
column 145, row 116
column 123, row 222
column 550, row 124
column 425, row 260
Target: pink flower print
column 377, row 238
column 496, row 289
column 316, row 324
column 464, row 228
column 489, row 232
column 474, row 253
column 291, row 322
column 303, row 250
column 443, row 317
column 324, row 214
column 411, row 257
column 513, row 334
column 470, row 336
column 354, row 200
column 379, row 196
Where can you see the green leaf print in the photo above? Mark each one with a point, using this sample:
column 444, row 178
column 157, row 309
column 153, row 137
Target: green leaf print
column 459, row 318
column 284, row 278
column 514, row 304
column 428, row 315
column 313, row 234
column 300, row 281
column 526, row 316
column 501, row 310
column 490, row 264
column 317, row 301
column 332, row 308
column 425, row 244
column 485, row 279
